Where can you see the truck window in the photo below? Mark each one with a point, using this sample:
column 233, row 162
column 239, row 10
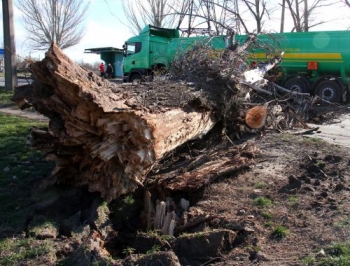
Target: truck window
column 133, row 48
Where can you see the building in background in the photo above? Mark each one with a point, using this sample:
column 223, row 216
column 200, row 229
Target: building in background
column 110, row 55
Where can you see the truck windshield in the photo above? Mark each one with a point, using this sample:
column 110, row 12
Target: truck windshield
column 133, row 48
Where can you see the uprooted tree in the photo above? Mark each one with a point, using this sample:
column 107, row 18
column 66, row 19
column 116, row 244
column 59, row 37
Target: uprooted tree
column 114, row 138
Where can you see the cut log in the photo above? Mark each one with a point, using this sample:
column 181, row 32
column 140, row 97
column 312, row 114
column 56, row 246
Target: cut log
column 108, row 136
column 256, row 117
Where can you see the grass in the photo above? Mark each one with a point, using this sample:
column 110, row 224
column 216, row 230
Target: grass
column 313, row 141
column 129, row 200
column 262, row 202
column 14, row 251
column 279, row 232
column 293, row 201
column 343, row 223
column 20, row 164
column 154, row 249
column 260, row 184
column 5, row 96
column 309, row 141
column 321, row 164
column 266, row 215
column 129, row 251
column 336, row 254
column 286, row 137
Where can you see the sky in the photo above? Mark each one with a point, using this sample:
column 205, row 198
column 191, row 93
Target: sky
column 106, row 27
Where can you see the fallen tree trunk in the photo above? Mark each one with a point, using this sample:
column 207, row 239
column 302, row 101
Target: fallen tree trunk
column 110, row 136
column 104, row 135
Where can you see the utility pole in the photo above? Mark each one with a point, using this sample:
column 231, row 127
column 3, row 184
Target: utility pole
column 9, row 45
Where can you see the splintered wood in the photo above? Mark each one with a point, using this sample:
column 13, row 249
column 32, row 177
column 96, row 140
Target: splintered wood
column 104, row 135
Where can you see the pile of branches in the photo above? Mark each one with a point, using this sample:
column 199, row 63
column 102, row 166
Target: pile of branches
column 237, row 86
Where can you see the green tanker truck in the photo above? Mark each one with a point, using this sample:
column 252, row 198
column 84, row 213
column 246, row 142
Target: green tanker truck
column 313, row 62
column 154, row 49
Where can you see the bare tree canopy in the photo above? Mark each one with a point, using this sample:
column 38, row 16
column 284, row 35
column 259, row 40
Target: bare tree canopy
column 304, row 13
column 48, row 21
column 189, row 15
column 209, row 16
column 347, row 2
column 214, row 17
column 260, row 11
column 142, row 12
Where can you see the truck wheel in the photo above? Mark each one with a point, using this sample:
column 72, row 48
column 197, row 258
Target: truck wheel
column 135, row 77
column 329, row 90
column 297, row 84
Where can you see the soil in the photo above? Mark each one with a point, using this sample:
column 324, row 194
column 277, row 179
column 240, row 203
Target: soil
column 306, row 179
column 308, row 185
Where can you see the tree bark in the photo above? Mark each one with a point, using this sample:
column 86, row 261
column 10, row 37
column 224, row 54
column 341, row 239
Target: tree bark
column 108, row 136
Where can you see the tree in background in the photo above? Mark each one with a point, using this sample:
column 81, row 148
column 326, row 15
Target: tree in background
column 191, row 16
column 210, row 17
column 218, row 16
column 48, row 21
column 222, row 15
column 259, row 11
column 203, row 16
column 139, row 13
column 346, row 2
column 215, row 17
column 304, row 13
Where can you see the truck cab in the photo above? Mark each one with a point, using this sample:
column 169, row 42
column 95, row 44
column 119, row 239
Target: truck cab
column 147, row 52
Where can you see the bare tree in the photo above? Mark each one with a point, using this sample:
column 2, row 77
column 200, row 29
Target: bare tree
column 260, row 11
column 347, row 2
column 213, row 17
column 172, row 13
column 304, row 13
column 210, row 13
column 182, row 9
column 158, row 13
column 47, row 21
column 236, row 14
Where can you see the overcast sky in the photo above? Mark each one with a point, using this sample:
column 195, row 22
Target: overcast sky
column 106, row 28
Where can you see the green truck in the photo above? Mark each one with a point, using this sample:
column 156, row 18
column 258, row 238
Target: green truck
column 154, row 49
column 313, row 62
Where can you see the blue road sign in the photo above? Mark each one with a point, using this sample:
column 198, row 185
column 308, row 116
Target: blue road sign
column 1, row 51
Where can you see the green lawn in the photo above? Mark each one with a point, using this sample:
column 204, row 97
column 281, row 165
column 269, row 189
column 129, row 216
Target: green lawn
column 19, row 165
column 5, row 96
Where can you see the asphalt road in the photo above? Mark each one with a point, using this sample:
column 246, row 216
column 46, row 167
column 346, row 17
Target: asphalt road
column 20, row 81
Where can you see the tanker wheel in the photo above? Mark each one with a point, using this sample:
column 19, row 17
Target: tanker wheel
column 329, row 91
column 297, row 84
column 136, row 77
